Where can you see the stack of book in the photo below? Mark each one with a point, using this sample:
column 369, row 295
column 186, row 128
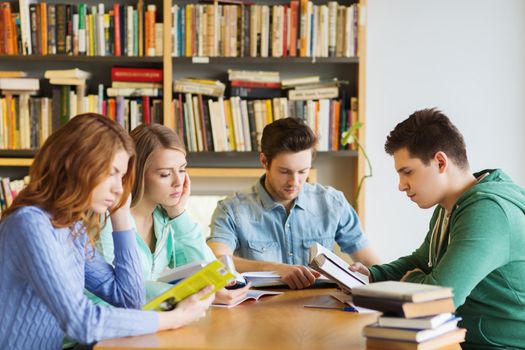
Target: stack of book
column 139, row 86
column 68, row 97
column 254, row 84
column 416, row 316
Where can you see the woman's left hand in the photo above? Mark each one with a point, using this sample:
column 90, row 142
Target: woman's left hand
column 177, row 209
column 231, row 296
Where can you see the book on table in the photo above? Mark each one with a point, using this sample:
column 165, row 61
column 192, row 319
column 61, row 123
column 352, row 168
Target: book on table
column 416, row 335
column 428, row 322
column 449, row 340
column 251, row 295
column 403, row 291
column 272, row 279
column 214, row 274
column 405, row 309
column 334, row 268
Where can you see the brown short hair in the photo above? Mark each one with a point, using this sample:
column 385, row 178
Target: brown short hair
column 71, row 163
column 286, row 135
column 425, row 133
column 149, row 138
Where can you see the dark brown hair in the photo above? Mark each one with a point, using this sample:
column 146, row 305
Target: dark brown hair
column 425, row 133
column 72, row 162
column 287, row 135
column 149, row 138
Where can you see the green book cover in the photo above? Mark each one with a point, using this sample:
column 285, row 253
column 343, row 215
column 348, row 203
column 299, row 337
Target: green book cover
column 212, row 274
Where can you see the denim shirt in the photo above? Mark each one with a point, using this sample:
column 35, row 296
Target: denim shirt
column 256, row 227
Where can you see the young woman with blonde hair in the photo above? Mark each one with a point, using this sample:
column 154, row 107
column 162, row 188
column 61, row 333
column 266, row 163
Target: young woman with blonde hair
column 165, row 234
column 83, row 170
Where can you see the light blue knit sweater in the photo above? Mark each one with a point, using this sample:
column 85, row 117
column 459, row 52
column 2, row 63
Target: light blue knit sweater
column 43, row 272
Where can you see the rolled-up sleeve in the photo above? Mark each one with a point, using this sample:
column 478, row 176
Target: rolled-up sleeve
column 223, row 226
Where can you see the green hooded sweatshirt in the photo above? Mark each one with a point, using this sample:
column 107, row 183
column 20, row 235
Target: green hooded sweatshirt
column 482, row 257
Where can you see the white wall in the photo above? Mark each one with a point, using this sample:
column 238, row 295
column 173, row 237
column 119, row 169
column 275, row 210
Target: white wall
column 466, row 57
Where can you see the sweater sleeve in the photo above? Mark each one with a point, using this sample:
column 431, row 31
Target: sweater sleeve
column 395, row 270
column 479, row 244
column 48, row 267
column 188, row 241
column 122, row 285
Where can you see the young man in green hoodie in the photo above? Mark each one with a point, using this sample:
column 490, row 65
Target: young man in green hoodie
column 476, row 238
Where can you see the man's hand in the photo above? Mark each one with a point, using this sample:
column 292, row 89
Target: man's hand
column 362, row 269
column 297, row 276
column 408, row 273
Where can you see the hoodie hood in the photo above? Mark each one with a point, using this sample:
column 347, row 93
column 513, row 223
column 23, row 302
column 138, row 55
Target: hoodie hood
column 496, row 185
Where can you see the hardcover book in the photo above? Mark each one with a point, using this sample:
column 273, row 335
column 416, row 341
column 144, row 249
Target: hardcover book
column 212, row 274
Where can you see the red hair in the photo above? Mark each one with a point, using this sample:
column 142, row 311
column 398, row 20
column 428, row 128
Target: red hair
column 71, row 163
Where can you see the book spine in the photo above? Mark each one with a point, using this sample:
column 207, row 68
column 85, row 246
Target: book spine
column 136, row 74
column 61, row 28
column 82, row 29
column 254, row 92
column 51, row 29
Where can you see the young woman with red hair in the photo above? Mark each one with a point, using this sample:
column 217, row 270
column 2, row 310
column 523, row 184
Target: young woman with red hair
column 47, row 254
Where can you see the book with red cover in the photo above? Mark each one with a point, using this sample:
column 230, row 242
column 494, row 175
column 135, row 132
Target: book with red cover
column 153, row 75
column 255, row 84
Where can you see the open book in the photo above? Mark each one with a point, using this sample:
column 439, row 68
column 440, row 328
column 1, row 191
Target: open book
column 336, row 269
column 252, row 294
column 180, row 272
column 212, row 274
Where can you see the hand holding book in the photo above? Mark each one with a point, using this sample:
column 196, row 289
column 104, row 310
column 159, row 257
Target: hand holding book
column 188, row 310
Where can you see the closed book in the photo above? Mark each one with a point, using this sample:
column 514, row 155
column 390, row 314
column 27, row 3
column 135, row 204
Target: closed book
column 67, row 73
column 214, row 274
column 443, row 342
column 256, row 84
column 153, row 75
column 416, row 335
column 313, row 94
column 248, row 92
column 402, row 308
column 29, row 84
column 133, row 92
column 415, row 323
column 404, row 291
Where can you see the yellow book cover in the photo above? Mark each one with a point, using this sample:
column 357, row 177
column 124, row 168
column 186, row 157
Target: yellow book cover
column 189, row 30
column 269, row 112
column 212, row 274
column 229, row 124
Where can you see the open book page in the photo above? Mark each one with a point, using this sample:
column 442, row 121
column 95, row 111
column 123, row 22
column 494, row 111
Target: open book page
column 252, row 294
column 317, row 249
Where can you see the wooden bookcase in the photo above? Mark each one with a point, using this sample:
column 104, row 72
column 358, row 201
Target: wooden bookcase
column 341, row 169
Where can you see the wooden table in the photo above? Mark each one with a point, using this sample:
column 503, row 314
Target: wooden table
column 276, row 323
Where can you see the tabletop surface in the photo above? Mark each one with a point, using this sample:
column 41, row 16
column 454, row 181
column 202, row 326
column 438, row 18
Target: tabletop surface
column 279, row 322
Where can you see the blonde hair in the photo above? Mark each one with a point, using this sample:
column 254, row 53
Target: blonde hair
column 149, row 138
column 72, row 162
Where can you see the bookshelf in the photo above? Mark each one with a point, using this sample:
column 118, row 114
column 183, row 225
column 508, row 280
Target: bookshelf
column 341, row 169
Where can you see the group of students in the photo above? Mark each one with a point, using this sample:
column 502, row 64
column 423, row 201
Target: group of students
column 104, row 214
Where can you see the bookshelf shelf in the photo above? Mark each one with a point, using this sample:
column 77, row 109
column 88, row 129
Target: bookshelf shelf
column 212, row 160
column 79, row 59
column 273, row 60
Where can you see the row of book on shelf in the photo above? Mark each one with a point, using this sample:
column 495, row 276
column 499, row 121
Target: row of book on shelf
column 204, row 118
column 298, row 28
column 79, row 29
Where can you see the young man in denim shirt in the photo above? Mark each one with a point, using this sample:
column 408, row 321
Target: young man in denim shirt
column 271, row 226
